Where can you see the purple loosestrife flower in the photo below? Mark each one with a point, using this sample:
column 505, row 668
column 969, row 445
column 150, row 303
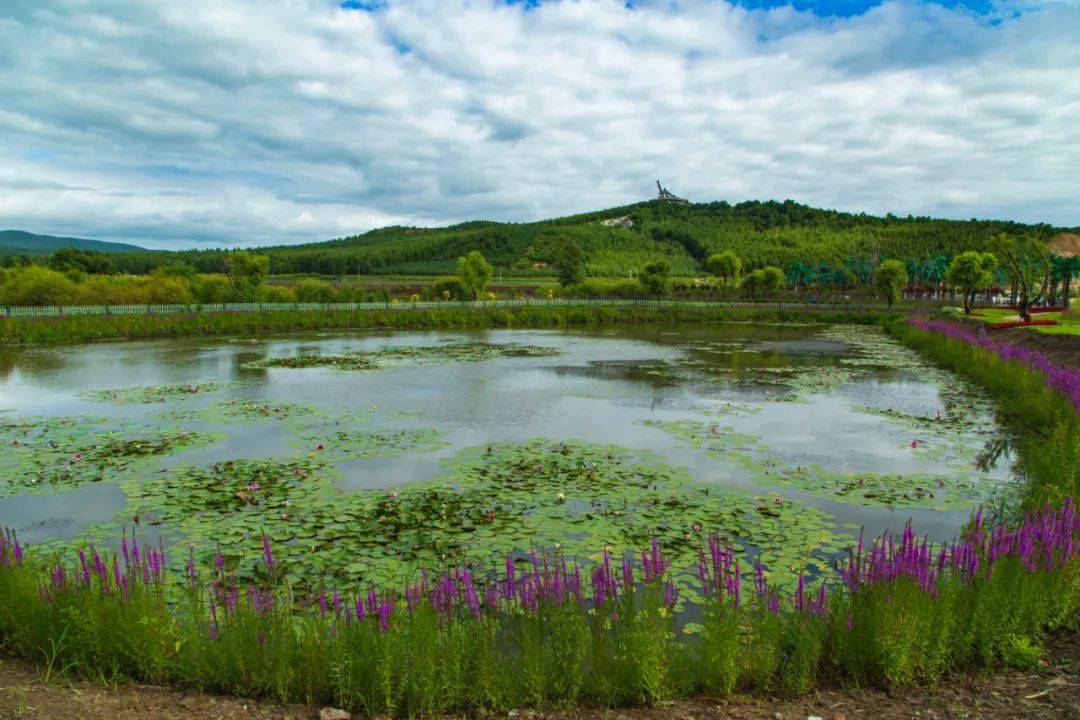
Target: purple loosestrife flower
column 386, row 609
column 671, row 595
column 268, row 555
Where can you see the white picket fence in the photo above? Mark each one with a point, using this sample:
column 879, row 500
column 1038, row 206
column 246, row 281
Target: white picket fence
column 68, row 310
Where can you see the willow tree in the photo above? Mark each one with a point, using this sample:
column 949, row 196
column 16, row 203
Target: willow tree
column 475, row 273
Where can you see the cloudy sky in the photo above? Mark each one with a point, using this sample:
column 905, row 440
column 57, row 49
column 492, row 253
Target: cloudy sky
column 240, row 122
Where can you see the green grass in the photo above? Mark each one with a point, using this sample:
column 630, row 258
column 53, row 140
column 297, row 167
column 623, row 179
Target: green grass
column 82, row 328
column 1068, row 322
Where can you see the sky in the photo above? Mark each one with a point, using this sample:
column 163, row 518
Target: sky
column 207, row 123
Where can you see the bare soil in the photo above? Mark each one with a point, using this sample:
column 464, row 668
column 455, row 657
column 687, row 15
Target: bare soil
column 1062, row 349
column 1049, row 693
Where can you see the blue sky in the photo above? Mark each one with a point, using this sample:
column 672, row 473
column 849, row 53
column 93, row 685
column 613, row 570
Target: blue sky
column 241, row 122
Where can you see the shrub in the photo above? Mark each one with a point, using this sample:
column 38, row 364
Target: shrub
column 276, row 294
column 35, row 285
column 448, row 288
column 655, row 277
column 311, row 290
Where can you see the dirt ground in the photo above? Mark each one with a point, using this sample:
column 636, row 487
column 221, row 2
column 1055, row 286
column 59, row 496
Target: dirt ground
column 1062, row 349
column 1049, row 693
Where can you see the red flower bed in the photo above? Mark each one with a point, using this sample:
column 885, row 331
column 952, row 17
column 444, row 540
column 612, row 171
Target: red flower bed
column 1036, row 310
column 1021, row 323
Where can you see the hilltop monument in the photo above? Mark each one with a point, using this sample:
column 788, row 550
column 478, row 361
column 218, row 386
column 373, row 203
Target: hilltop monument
column 666, row 196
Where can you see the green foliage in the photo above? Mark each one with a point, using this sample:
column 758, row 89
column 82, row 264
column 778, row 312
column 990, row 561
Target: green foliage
column 310, row 290
column 606, row 288
column 726, row 265
column 971, row 272
column 760, row 233
column 246, row 272
column 569, row 262
column 763, row 281
column 1027, row 263
column 448, row 288
column 890, row 278
column 1046, row 424
column 655, row 277
column 35, row 285
column 772, row 279
column 475, row 273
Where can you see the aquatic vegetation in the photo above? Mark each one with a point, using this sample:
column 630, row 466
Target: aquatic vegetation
column 226, row 411
column 541, row 630
column 358, row 444
column 491, row 500
column 767, row 468
column 398, row 355
column 338, row 362
column 157, row 393
column 48, row 454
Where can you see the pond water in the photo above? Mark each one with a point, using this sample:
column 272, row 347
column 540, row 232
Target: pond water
column 366, row 455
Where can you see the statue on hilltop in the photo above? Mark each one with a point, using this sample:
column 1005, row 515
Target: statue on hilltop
column 666, row 196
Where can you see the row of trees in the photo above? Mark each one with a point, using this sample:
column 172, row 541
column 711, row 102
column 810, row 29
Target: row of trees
column 1020, row 264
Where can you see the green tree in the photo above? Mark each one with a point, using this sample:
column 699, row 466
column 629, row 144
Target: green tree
column 569, row 261
column 311, row 290
column 475, row 273
column 655, row 277
column 726, row 265
column 752, row 282
column 1027, row 262
column 971, row 272
column 35, row 285
column 246, row 272
column 890, row 278
column 1064, row 270
column 772, row 279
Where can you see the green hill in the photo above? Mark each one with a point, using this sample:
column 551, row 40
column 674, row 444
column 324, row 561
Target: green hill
column 618, row 241
column 25, row 243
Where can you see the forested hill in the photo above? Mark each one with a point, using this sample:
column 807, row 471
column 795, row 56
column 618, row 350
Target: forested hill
column 619, row 241
column 27, row 243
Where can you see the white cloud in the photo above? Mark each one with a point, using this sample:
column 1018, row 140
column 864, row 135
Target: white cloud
column 243, row 122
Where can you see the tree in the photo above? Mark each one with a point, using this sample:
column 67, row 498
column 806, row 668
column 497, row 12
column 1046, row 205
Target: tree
column 971, row 272
column 1027, row 262
column 655, row 277
column 246, row 272
column 752, row 282
column 772, row 279
column 569, row 261
column 35, row 285
column 475, row 273
column 310, row 290
column 1064, row 270
column 890, row 278
column 726, row 265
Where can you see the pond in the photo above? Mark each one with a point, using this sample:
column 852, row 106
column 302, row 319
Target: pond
column 368, row 455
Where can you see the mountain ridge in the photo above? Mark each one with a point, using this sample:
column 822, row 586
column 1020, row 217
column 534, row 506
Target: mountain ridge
column 25, row 242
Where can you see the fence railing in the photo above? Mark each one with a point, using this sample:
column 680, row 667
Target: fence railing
column 69, row 310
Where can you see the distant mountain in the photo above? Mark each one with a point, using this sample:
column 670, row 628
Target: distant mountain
column 20, row 241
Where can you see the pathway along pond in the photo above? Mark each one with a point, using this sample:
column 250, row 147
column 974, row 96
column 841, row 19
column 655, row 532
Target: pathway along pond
column 369, row 455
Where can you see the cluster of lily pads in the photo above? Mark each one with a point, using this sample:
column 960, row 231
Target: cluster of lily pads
column 156, row 393
column 400, row 355
column 47, row 454
column 490, row 501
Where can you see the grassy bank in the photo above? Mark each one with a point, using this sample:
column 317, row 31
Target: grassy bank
column 82, row 328
column 540, row 634
column 1035, row 399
